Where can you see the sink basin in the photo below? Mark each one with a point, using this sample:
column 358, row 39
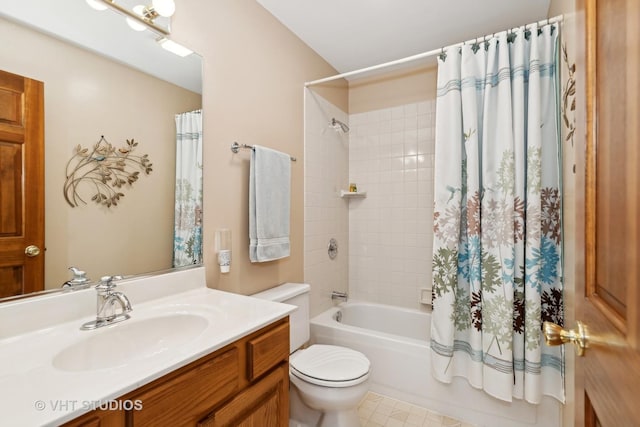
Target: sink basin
column 130, row 341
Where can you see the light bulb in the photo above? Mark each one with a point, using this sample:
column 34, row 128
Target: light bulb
column 164, row 8
column 96, row 4
column 136, row 26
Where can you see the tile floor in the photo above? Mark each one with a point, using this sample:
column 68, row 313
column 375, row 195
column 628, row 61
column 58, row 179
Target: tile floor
column 376, row 410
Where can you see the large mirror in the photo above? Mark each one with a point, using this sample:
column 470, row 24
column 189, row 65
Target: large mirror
column 102, row 79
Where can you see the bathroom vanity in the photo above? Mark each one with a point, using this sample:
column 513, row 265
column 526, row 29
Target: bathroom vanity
column 188, row 355
column 244, row 383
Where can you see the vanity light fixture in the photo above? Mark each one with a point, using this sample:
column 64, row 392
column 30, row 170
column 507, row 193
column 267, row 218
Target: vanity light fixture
column 134, row 24
column 141, row 17
column 148, row 14
column 164, row 8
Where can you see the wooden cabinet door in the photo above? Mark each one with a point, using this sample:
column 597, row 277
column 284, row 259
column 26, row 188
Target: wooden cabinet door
column 21, row 184
column 184, row 398
column 264, row 404
column 608, row 300
column 99, row 418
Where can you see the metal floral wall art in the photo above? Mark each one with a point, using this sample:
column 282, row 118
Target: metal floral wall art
column 105, row 169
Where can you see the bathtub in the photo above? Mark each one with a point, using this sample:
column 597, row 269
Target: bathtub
column 396, row 341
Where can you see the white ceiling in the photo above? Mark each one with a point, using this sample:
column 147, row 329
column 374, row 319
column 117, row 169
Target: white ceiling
column 354, row 34
column 106, row 33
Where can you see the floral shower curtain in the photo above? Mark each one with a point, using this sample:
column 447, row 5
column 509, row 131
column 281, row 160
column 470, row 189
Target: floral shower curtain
column 187, row 240
column 497, row 229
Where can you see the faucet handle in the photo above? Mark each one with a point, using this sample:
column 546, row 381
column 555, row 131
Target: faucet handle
column 109, row 279
column 77, row 273
column 79, row 279
column 106, row 283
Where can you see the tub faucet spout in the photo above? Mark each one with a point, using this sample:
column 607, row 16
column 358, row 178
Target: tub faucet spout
column 336, row 295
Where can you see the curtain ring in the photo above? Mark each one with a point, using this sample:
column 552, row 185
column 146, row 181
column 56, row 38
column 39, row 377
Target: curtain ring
column 443, row 55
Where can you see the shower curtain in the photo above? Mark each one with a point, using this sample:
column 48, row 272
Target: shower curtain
column 497, row 230
column 187, row 240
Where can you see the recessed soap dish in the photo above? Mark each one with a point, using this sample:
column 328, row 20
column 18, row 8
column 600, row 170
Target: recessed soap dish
column 425, row 296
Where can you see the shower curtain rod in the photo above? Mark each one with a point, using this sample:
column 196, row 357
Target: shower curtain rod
column 553, row 20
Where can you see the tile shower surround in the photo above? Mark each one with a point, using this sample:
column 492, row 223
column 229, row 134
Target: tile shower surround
column 386, row 238
column 391, row 157
column 326, row 215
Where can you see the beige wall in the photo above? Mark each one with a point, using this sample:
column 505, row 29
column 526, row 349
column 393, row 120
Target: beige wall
column 87, row 96
column 254, row 74
column 393, row 89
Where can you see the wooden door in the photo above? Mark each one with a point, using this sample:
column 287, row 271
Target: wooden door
column 21, row 185
column 608, row 297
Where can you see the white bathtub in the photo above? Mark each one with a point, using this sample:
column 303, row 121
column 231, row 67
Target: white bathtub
column 396, row 341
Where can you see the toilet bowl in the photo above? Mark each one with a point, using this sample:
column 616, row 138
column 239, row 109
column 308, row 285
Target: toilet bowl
column 329, row 380
column 332, row 380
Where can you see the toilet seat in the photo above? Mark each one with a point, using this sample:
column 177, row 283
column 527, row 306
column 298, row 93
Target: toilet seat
column 330, row 366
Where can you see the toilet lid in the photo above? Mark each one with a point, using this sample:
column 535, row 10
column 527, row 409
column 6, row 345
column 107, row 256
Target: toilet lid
column 330, row 365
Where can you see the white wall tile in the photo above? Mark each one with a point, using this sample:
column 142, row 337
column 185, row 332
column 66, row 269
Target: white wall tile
column 385, row 239
column 392, row 227
column 326, row 172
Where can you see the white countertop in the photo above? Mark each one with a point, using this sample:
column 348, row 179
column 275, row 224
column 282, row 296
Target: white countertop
column 34, row 392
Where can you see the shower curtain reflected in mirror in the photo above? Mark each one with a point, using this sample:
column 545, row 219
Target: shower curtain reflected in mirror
column 187, row 241
column 497, row 229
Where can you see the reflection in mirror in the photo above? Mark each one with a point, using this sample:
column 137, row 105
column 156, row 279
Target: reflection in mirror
column 87, row 95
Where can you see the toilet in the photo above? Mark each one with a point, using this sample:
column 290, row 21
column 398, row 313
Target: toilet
column 330, row 380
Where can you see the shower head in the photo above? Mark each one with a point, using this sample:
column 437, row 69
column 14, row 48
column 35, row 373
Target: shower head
column 338, row 125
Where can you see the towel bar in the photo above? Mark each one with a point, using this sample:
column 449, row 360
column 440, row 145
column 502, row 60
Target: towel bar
column 235, row 147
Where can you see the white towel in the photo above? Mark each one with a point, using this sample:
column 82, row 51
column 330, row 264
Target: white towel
column 269, row 204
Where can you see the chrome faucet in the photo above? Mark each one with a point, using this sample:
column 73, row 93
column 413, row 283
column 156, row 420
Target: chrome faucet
column 339, row 295
column 78, row 281
column 106, row 304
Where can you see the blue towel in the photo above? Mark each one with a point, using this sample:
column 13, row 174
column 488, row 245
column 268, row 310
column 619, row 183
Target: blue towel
column 269, row 204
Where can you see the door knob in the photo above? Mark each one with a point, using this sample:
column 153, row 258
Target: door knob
column 557, row 335
column 32, row 250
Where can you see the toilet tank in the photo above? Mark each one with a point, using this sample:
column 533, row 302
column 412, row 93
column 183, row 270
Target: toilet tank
column 295, row 294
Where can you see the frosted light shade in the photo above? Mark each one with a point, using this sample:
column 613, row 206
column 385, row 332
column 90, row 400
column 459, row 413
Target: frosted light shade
column 97, row 5
column 174, row 47
column 164, row 8
column 138, row 10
